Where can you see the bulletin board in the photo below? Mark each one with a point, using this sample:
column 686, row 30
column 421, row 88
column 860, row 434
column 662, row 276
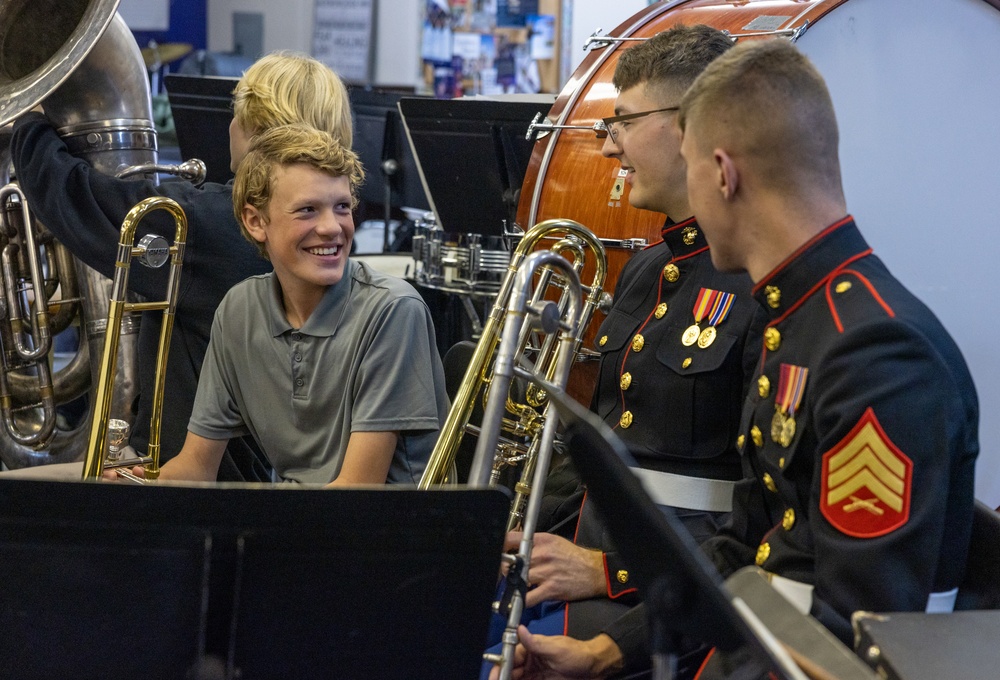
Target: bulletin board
column 343, row 37
column 490, row 47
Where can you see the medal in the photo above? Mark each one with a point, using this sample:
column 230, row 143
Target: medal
column 706, row 337
column 791, row 388
column 787, row 431
column 690, row 335
column 777, row 425
column 714, row 306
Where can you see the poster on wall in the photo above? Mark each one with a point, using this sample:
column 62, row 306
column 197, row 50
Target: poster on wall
column 343, row 37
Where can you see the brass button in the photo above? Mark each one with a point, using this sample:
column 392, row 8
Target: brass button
column 773, row 296
column 661, row 309
column 740, row 441
column 671, row 273
column 689, row 235
column 626, row 420
column 763, row 386
column 769, row 483
column 637, row 342
column 772, row 339
column 622, row 576
column 756, row 436
column 625, row 381
column 763, row 552
column 843, row 287
column 686, row 363
column 781, row 462
column 603, row 341
column 788, row 520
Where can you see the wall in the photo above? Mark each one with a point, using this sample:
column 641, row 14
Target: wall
column 289, row 25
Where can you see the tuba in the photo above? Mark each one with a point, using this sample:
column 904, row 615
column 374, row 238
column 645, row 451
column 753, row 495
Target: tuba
column 553, row 342
column 79, row 60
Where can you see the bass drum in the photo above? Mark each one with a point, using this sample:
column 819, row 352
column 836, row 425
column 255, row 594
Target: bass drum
column 567, row 177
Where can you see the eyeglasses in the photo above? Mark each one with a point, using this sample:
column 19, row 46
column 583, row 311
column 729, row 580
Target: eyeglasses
column 608, row 126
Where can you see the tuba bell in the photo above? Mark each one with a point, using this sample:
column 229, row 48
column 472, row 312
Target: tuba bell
column 78, row 59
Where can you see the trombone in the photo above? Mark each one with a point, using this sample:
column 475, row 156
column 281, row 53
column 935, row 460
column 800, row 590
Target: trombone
column 562, row 322
column 152, row 251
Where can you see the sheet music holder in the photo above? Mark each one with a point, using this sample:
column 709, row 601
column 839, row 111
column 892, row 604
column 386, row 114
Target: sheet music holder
column 682, row 590
column 267, row 581
column 379, row 138
column 472, row 155
column 202, row 107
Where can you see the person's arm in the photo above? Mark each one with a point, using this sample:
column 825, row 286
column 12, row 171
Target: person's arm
column 540, row 657
column 367, row 459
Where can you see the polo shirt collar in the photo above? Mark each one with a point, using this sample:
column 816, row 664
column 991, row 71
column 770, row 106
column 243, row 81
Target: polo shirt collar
column 327, row 316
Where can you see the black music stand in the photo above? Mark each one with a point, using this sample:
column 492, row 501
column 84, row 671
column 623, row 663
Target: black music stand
column 202, row 107
column 472, row 154
column 105, row 580
column 683, row 592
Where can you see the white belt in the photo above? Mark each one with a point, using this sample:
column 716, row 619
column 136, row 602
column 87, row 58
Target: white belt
column 690, row 493
column 800, row 595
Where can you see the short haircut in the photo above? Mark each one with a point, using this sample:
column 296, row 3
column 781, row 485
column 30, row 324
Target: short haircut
column 283, row 146
column 282, row 88
column 674, row 57
column 765, row 100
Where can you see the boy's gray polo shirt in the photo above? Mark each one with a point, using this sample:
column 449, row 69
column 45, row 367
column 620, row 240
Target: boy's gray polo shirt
column 366, row 360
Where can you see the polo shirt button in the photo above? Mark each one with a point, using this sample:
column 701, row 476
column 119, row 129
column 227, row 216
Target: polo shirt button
column 296, row 336
column 298, row 357
column 299, row 382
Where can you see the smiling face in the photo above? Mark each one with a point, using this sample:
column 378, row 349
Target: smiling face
column 307, row 229
column 649, row 149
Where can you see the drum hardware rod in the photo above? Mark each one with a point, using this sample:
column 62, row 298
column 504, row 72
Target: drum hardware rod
column 473, row 315
column 541, row 126
column 597, row 41
column 620, row 243
column 792, row 33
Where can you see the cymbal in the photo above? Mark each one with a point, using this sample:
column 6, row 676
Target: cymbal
column 165, row 53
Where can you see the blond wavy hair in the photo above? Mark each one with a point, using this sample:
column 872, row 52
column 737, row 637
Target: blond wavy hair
column 283, row 88
column 283, row 146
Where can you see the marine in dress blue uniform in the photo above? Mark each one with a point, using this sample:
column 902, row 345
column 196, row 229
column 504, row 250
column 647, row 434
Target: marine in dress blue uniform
column 675, row 404
column 861, row 485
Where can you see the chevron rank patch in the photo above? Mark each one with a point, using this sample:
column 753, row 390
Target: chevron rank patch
column 866, row 482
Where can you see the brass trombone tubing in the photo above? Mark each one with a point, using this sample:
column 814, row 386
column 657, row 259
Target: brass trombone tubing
column 442, row 458
column 503, row 373
column 94, row 463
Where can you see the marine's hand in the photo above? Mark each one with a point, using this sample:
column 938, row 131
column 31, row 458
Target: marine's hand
column 556, row 657
column 560, row 570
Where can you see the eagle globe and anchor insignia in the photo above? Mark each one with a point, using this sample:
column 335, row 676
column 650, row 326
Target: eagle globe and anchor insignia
column 867, row 482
